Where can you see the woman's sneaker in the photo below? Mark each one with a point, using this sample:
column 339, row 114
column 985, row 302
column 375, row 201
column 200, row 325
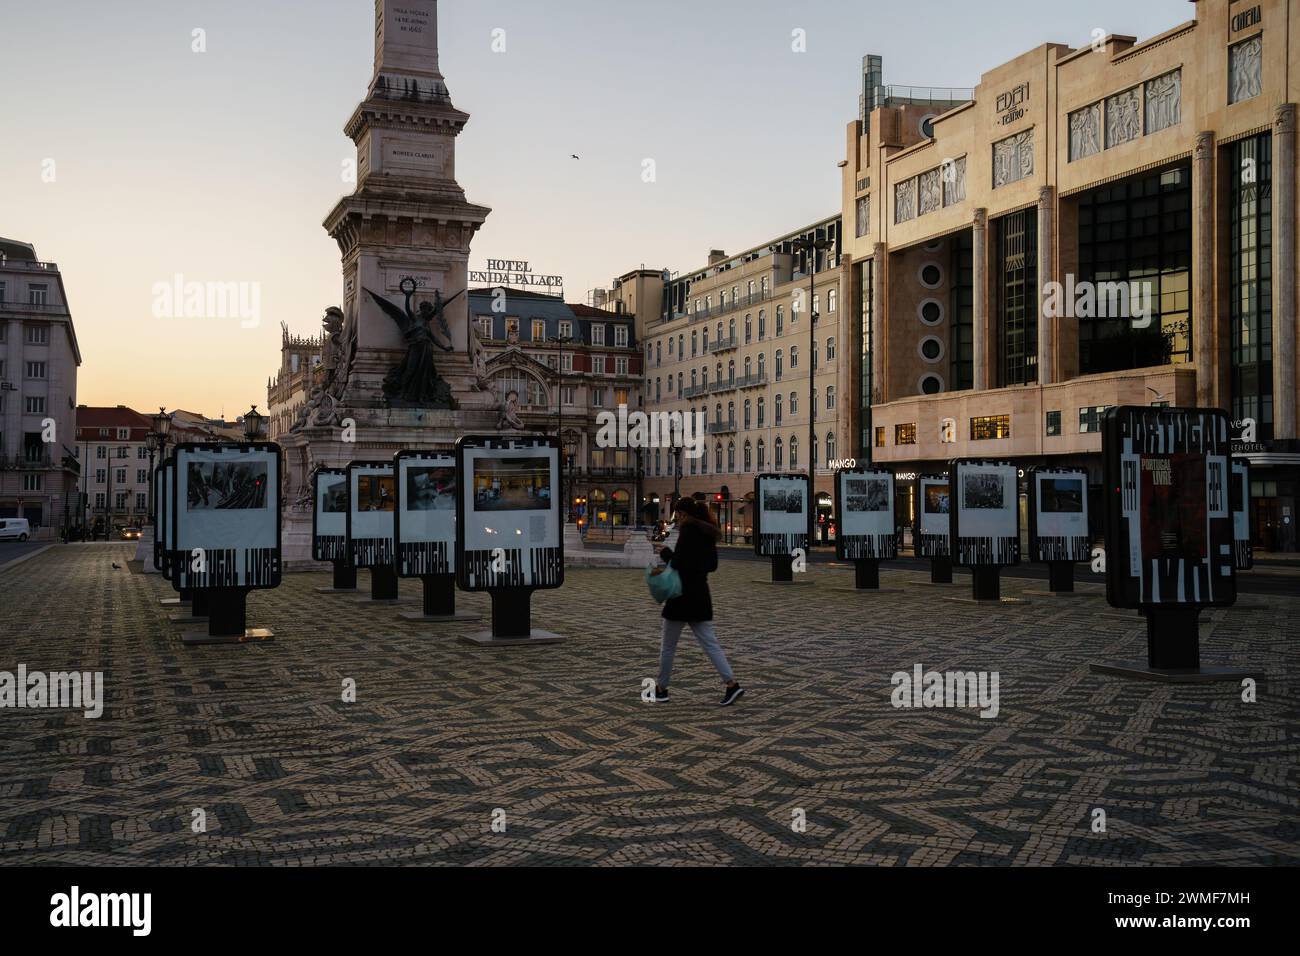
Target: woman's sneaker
column 731, row 693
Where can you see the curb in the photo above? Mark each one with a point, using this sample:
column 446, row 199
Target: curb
column 26, row 557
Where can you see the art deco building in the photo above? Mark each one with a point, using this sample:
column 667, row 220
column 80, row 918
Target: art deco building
column 39, row 358
column 1155, row 182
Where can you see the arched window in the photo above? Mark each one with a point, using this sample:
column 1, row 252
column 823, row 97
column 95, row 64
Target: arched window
column 719, row 375
column 777, row 408
column 794, row 403
column 731, row 457
column 830, row 349
column 780, row 319
column 717, row 413
column 794, row 452
column 778, row 455
column 731, row 414
column 794, row 356
column 748, row 367
column 830, row 447
column 762, row 324
column 717, row 458
column 749, row 329
column 832, row 298
column 720, row 332
column 762, row 364
column 747, row 419
column 695, row 344
column 762, row 455
column 658, row 461
column 779, row 357
column 749, row 456
column 704, row 339
column 762, row 411
column 704, row 376
column 731, row 372
column 731, row 331
column 693, row 378
column 530, row 393
column 830, row 397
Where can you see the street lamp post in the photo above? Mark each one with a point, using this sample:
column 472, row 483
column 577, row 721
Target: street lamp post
column 811, row 246
column 157, row 442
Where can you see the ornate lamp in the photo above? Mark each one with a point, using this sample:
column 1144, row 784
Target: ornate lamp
column 252, row 423
column 162, row 425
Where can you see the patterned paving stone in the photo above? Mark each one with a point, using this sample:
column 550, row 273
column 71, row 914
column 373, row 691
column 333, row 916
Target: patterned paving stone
column 443, row 733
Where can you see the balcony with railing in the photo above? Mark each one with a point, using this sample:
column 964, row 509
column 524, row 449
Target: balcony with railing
column 691, row 391
column 752, row 380
column 723, row 345
column 41, row 462
column 722, row 428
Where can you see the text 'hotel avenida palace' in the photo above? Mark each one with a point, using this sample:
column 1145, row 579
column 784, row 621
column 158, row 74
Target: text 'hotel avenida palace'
column 1094, row 226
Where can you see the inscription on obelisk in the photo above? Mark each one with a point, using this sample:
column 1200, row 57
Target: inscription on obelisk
column 406, row 40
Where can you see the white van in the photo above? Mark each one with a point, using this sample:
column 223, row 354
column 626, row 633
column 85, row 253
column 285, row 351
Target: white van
column 14, row 528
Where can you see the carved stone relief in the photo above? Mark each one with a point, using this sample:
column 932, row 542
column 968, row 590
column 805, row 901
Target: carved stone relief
column 1123, row 117
column 1085, row 132
column 1013, row 159
column 1245, row 69
column 1164, row 101
column 905, row 201
column 954, row 182
column 929, row 190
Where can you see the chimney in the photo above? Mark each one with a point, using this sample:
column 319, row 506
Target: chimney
column 716, row 256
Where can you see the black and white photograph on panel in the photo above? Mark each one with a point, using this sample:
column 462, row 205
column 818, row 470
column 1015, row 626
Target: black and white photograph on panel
column 215, row 486
column 425, row 520
column 932, row 526
column 226, row 511
column 508, row 520
column 1169, row 530
column 372, row 502
column 1240, row 494
column 782, row 514
column 866, row 526
column 986, row 513
column 1058, row 515
column 330, row 514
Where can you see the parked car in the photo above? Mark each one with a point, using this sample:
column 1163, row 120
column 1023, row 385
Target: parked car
column 130, row 534
column 18, row 528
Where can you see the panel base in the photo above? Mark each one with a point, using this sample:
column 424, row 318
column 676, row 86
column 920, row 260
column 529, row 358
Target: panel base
column 1199, row 675
column 252, row 635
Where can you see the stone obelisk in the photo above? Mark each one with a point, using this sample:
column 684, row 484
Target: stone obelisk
column 408, row 218
column 406, row 228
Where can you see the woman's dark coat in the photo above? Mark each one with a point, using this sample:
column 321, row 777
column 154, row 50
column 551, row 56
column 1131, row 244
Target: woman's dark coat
column 695, row 556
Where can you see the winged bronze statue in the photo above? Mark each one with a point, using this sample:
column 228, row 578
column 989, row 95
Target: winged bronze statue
column 415, row 382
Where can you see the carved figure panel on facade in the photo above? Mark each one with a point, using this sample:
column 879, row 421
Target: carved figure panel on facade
column 1245, row 69
column 1013, row 159
column 1164, row 101
column 905, row 201
column 1085, row 132
column 928, row 184
column 1123, row 117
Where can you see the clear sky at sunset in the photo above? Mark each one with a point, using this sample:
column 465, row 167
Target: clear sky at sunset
column 221, row 166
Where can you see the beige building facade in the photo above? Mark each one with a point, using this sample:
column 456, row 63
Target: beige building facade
column 1102, row 225
column 39, row 358
column 735, row 342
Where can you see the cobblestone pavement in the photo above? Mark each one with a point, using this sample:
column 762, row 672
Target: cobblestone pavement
column 444, row 733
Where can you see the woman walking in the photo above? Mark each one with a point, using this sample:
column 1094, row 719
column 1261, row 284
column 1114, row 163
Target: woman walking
column 694, row 559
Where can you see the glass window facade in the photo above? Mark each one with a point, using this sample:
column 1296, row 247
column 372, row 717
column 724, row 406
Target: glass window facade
column 1139, row 232
column 1250, row 281
column 1017, row 286
column 961, row 351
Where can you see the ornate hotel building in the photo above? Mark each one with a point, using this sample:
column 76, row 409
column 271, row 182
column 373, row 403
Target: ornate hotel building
column 1154, row 181
column 736, row 342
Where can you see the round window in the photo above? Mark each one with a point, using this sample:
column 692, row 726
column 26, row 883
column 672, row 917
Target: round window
column 931, row 275
column 931, row 385
column 931, row 349
column 930, row 311
column 927, row 125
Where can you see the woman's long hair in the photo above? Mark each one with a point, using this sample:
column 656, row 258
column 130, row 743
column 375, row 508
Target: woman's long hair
column 699, row 513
